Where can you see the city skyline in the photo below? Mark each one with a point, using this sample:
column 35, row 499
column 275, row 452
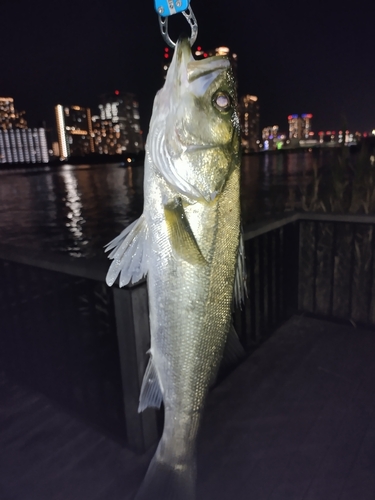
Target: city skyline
column 314, row 59
column 285, row 124
column 116, row 130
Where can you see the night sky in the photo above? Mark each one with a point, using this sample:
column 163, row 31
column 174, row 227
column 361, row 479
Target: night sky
column 297, row 57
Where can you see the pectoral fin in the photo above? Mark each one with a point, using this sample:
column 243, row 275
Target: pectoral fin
column 129, row 254
column 182, row 239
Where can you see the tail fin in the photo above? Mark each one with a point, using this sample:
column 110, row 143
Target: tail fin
column 168, row 482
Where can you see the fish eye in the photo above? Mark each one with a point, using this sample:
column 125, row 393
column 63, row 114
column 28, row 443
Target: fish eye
column 222, row 101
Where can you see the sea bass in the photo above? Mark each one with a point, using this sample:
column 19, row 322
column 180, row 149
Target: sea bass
column 187, row 243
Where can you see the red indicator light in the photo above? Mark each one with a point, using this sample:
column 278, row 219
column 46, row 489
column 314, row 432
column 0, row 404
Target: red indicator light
column 199, row 48
column 166, row 49
column 166, row 56
column 117, row 92
column 205, row 54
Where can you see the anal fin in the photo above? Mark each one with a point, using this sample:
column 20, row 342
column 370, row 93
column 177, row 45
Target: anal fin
column 151, row 395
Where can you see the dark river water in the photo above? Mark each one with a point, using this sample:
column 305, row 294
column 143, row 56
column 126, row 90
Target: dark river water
column 78, row 209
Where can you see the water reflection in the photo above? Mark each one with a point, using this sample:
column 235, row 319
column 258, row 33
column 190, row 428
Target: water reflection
column 73, row 203
column 78, row 209
column 273, row 182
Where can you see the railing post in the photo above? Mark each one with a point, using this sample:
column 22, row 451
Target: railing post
column 133, row 334
column 291, row 249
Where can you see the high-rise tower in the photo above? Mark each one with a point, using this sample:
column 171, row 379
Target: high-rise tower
column 117, row 127
column 18, row 143
column 10, row 118
column 248, row 108
column 74, row 130
column 299, row 126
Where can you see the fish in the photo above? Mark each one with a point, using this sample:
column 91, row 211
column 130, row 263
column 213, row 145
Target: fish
column 188, row 243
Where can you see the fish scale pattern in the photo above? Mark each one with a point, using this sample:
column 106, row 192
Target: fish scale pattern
column 191, row 307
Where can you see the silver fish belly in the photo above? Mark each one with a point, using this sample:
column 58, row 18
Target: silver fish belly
column 187, row 243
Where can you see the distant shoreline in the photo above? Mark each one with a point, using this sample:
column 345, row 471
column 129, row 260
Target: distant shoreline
column 130, row 158
column 301, row 149
column 135, row 158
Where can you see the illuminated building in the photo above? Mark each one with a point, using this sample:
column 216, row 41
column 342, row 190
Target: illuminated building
column 10, row 118
column 270, row 132
column 332, row 135
column 271, row 138
column 74, row 130
column 23, row 146
column 117, row 127
column 295, row 127
column 55, row 149
column 19, row 144
column 167, row 59
column 330, row 138
column 219, row 51
column 307, row 131
column 248, row 109
column 202, row 54
column 300, row 126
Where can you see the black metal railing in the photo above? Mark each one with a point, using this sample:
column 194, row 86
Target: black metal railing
column 271, row 251
column 67, row 334
column 336, row 267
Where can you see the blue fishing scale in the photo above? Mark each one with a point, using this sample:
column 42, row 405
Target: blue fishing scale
column 167, row 8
